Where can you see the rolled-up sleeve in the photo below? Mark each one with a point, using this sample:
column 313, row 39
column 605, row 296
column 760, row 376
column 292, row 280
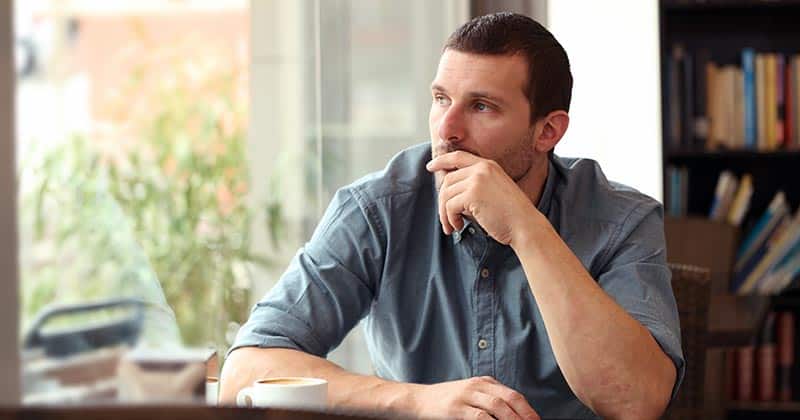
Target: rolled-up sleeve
column 639, row 280
column 327, row 288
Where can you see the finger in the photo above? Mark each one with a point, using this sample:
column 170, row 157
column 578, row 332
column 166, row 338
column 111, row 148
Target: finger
column 446, row 192
column 456, row 207
column 452, row 161
column 457, row 175
column 492, row 404
column 513, row 398
column 476, row 413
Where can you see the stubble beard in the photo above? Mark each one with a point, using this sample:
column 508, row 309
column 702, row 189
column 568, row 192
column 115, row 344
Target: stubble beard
column 516, row 162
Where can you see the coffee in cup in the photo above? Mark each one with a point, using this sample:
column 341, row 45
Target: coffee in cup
column 286, row 392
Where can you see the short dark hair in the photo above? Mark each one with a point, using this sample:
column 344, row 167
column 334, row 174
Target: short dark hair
column 549, row 79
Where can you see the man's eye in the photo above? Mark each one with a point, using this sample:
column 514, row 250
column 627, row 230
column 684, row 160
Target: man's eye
column 480, row 106
column 439, row 99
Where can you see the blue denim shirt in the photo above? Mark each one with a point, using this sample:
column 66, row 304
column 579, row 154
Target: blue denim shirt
column 440, row 308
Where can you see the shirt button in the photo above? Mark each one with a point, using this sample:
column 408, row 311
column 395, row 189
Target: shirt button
column 484, row 272
column 482, row 344
column 457, row 236
column 471, row 230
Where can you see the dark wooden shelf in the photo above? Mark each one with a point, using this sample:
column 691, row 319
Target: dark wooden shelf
column 680, row 5
column 742, row 155
column 783, row 406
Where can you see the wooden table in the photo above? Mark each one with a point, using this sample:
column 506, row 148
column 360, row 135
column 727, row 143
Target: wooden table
column 188, row 412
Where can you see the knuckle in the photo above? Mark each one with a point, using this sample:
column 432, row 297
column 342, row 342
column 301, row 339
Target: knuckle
column 481, row 415
column 515, row 396
column 496, row 403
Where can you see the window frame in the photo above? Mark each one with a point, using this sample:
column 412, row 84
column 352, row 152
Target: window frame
column 9, row 302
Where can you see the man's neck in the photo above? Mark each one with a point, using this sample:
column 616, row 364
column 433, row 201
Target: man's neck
column 533, row 182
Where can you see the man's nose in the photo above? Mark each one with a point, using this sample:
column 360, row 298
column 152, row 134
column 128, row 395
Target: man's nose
column 451, row 127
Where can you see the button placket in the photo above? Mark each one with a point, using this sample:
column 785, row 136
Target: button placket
column 485, row 320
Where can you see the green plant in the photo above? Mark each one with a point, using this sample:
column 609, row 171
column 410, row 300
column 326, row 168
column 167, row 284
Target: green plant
column 160, row 198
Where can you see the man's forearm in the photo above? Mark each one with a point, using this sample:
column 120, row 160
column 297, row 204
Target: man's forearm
column 346, row 390
column 611, row 362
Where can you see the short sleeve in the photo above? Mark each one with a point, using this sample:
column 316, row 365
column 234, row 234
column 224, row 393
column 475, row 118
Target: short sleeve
column 327, row 288
column 638, row 279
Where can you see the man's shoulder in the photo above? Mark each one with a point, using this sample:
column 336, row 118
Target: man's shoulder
column 587, row 191
column 404, row 175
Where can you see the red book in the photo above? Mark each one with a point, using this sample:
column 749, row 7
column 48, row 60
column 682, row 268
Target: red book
column 785, row 347
column 780, row 101
column 745, row 367
column 788, row 125
column 766, row 358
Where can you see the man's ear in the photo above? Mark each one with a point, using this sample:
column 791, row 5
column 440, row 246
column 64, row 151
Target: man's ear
column 550, row 130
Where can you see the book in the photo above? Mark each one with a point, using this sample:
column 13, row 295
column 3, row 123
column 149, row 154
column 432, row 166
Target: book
column 777, row 249
column 687, row 105
column 761, row 126
column 684, row 190
column 766, row 360
column 714, row 110
column 795, row 70
column 701, row 120
column 737, row 118
column 780, row 105
column 770, row 107
column 674, row 103
column 785, row 343
column 741, row 201
column 780, row 278
column 744, row 369
column 749, row 91
column 723, row 195
column 789, row 89
column 777, row 208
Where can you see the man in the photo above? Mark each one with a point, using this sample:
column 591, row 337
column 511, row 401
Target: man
column 496, row 279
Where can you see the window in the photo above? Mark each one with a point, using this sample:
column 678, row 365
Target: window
column 172, row 156
column 131, row 156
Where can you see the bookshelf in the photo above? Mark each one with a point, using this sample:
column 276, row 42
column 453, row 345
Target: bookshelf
column 718, row 31
column 724, row 28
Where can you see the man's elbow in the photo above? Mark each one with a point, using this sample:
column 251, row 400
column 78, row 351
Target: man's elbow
column 648, row 408
column 241, row 368
column 650, row 404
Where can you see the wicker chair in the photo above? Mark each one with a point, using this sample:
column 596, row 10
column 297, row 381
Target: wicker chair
column 692, row 288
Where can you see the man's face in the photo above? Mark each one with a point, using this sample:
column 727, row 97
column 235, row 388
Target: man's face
column 479, row 106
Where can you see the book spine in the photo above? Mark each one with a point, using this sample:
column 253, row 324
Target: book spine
column 770, row 102
column 761, row 125
column 687, row 109
column 766, row 362
column 780, row 109
column 700, row 98
column 788, row 91
column 796, row 95
column 785, row 338
column 674, row 67
column 745, row 367
column 750, row 118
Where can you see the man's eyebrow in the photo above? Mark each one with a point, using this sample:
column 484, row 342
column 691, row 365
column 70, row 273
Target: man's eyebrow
column 475, row 94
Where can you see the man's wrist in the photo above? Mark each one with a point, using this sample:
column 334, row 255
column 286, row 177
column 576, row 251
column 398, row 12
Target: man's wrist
column 401, row 398
column 526, row 233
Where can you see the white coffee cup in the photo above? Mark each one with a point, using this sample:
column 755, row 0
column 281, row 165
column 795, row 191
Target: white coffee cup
column 286, row 392
column 212, row 390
